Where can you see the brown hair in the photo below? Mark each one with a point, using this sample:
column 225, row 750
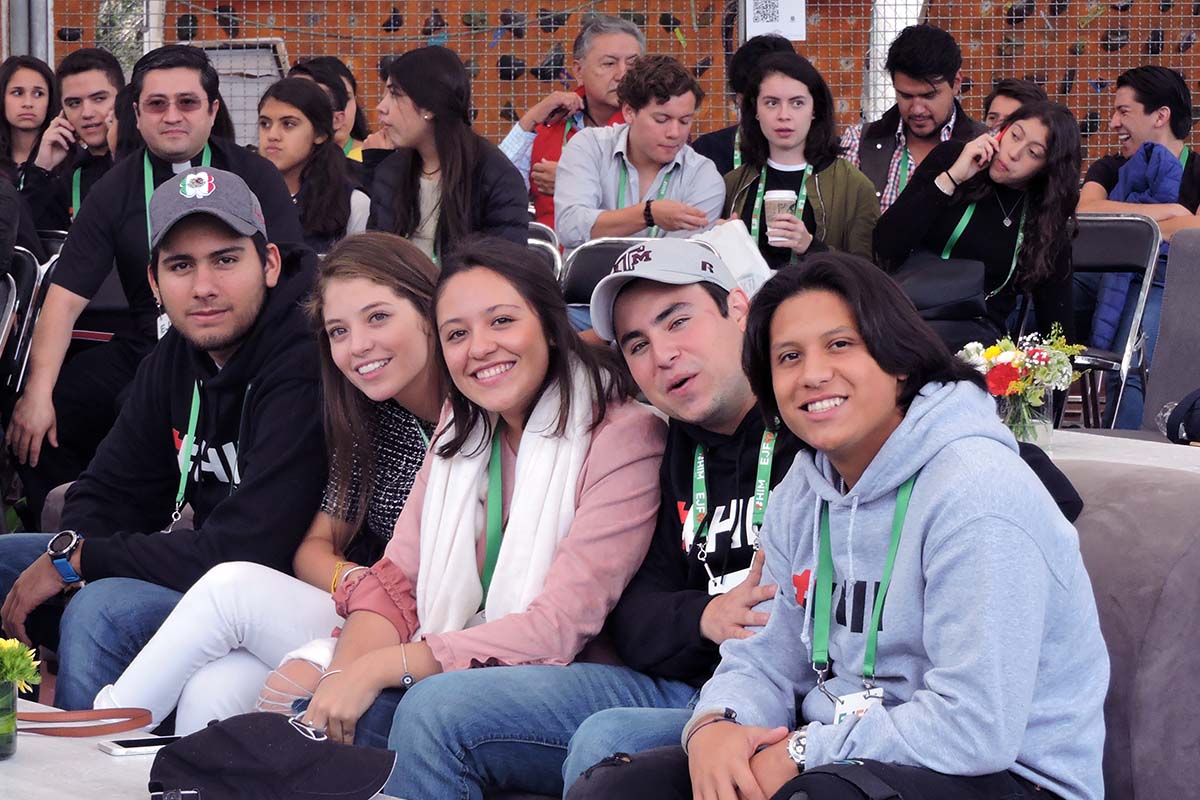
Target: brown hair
column 657, row 78
column 349, row 416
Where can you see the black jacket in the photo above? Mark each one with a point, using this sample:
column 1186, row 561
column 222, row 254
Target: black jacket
column 16, row 226
column 878, row 142
column 112, row 225
column 499, row 201
column 718, row 147
column 259, row 456
column 49, row 192
column 656, row 624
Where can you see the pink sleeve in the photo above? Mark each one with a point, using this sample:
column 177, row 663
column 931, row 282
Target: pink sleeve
column 389, row 587
column 617, row 504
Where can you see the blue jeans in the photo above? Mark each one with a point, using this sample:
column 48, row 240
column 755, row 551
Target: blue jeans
column 374, row 726
column 1129, row 415
column 511, row 728
column 104, row 626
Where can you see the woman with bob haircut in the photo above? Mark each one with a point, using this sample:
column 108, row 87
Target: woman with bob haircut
column 533, row 510
column 789, row 143
column 443, row 181
column 382, row 393
column 1007, row 200
column 936, row 634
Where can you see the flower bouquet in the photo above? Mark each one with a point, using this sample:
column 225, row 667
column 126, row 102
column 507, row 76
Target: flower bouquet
column 1022, row 376
column 18, row 669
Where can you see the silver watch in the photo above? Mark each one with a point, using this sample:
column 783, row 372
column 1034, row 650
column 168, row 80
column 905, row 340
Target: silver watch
column 797, row 743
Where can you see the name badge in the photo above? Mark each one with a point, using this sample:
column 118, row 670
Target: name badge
column 856, row 704
column 723, row 583
column 164, row 325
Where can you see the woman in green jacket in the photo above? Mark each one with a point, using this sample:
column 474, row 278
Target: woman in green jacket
column 789, row 143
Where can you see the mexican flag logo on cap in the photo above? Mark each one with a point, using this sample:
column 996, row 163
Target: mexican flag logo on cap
column 197, row 185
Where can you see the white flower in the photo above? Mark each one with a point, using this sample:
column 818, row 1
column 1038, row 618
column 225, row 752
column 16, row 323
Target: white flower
column 1008, row 357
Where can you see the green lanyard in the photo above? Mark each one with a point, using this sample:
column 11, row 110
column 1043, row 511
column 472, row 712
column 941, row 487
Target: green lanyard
column 76, row 192
column 904, row 170
column 762, row 490
column 1183, row 157
column 495, row 516
column 737, row 148
column 185, row 456
column 567, row 130
column 756, row 215
column 962, row 226
column 621, row 190
column 148, row 182
column 347, row 147
column 824, row 598
column 424, row 435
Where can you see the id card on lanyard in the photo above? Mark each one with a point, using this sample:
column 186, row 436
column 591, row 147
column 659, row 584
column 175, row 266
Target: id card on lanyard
column 856, row 703
column 719, row 584
column 163, row 322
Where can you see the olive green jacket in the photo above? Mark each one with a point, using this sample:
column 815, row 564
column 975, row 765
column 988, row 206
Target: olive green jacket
column 842, row 198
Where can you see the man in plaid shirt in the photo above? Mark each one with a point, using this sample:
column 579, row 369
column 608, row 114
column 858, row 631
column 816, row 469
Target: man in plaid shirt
column 925, row 64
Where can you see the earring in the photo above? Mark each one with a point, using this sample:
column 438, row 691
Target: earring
column 428, row 117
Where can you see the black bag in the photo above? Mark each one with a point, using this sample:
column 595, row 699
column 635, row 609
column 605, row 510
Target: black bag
column 949, row 294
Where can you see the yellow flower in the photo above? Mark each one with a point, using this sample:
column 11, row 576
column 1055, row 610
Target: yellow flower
column 991, row 352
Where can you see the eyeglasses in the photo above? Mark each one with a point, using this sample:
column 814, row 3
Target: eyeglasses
column 159, row 105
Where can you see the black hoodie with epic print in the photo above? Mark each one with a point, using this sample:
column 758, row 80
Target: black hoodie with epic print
column 656, row 624
column 257, row 465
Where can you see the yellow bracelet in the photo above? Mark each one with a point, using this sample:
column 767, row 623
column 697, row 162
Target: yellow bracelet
column 337, row 570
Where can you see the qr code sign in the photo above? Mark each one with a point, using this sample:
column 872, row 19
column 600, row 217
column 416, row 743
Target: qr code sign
column 766, row 11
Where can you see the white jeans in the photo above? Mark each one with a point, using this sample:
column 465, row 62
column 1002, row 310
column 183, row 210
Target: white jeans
column 213, row 653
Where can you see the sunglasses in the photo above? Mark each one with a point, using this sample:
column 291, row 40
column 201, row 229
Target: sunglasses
column 159, row 105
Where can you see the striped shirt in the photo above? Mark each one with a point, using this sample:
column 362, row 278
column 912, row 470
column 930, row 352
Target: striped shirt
column 852, row 139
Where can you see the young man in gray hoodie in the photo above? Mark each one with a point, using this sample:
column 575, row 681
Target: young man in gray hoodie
column 935, row 634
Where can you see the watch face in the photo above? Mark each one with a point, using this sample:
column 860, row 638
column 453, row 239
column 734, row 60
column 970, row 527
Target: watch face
column 60, row 543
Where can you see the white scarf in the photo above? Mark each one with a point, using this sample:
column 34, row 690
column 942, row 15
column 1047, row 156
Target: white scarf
column 541, row 510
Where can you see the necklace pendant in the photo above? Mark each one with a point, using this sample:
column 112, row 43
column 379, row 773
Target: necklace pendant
column 1008, row 222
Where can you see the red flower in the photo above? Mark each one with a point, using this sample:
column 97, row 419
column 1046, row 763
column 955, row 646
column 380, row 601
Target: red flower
column 1001, row 379
column 1037, row 356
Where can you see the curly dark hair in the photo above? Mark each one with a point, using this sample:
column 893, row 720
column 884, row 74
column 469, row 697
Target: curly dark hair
column 1052, row 194
column 657, row 78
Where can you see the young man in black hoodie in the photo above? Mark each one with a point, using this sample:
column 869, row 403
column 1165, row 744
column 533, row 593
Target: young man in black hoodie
column 67, row 407
column 678, row 320
column 224, row 415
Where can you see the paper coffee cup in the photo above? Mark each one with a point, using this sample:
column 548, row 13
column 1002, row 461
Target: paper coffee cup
column 776, row 202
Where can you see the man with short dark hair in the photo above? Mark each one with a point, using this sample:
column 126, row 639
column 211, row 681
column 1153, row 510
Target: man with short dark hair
column 224, row 416
column 73, row 155
column 1007, row 95
column 641, row 178
column 602, row 52
column 1152, row 106
column 175, row 89
column 723, row 146
column 925, row 64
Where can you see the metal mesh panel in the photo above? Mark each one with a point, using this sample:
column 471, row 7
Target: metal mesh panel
column 517, row 49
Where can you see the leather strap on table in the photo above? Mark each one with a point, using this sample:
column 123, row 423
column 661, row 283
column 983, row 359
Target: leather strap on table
column 123, row 719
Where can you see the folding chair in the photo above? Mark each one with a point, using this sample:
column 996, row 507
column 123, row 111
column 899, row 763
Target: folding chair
column 1176, row 369
column 28, row 277
column 8, row 308
column 1109, row 243
column 52, row 240
column 594, row 259
column 548, row 254
column 538, row 230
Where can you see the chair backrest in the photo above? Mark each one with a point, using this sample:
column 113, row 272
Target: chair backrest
column 8, row 307
column 26, row 274
column 539, row 230
column 13, row 367
column 1115, row 243
column 548, row 254
column 1176, row 369
column 53, row 241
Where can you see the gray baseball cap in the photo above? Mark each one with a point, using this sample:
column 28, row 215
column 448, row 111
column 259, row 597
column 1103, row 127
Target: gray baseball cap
column 677, row 262
column 204, row 190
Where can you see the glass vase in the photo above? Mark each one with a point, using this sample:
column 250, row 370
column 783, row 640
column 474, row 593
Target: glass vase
column 1029, row 423
column 8, row 719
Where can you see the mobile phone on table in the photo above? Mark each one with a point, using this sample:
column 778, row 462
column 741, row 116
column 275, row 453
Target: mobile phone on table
column 136, row 747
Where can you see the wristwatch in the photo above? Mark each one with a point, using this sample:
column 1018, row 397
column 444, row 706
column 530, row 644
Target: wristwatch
column 797, row 743
column 60, row 549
